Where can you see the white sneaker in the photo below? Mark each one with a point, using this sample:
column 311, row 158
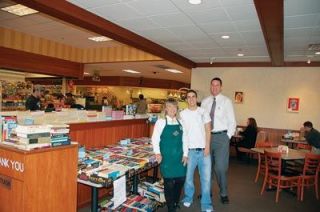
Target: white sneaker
column 187, row 204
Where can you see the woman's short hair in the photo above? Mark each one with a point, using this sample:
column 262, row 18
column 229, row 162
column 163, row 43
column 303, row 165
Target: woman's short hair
column 172, row 102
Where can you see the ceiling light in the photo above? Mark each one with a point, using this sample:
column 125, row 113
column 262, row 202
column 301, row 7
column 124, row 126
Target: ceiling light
column 86, row 73
column 225, row 36
column 309, row 61
column 174, row 71
column 195, row 1
column 131, row 71
column 19, row 10
column 99, row 38
column 212, row 59
column 240, row 54
column 317, row 53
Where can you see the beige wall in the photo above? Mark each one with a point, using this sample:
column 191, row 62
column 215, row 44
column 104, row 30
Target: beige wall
column 266, row 92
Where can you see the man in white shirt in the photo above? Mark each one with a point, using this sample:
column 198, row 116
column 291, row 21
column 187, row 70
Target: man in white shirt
column 197, row 126
column 223, row 128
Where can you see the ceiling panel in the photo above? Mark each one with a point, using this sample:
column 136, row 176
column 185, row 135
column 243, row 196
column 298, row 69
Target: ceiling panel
column 191, row 30
column 218, row 27
column 301, row 7
column 171, row 20
column 242, row 12
column 153, row 7
column 301, row 28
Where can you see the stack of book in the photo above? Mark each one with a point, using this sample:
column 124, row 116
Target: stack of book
column 59, row 135
column 7, row 125
column 133, row 203
column 28, row 137
column 151, row 191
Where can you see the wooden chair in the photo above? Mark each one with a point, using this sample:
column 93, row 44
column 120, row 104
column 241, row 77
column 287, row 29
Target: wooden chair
column 310, row 173
column 273, row 175
column 304, row 146
column 260, row 141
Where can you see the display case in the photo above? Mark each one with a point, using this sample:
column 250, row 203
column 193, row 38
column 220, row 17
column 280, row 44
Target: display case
column 14, row 94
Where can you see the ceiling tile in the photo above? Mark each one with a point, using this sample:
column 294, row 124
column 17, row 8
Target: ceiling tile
column 300, row 21
column 188, row 32
column 116, row 12
column 161, row 35
column 171, row 20
column 137, row 24
column 248, row 25
column 243, row 12
column 206, row 4
column 253, row 38
column 299, row 7
column 298, row 32
column 217, row 27
column 235, row 2
column 235, row 39
column 207, row 16
column 93, row 3
column 204, row 44
column 153, row 7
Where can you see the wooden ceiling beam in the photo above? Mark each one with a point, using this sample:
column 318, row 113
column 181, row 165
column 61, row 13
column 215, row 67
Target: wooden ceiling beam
column 35, row 63
column 72, row 14
column 270, row 15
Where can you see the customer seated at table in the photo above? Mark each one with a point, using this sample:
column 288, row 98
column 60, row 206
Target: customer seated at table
column 249, row 136
column 312, row 136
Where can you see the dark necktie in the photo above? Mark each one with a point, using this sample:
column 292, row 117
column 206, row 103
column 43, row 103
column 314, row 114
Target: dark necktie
column 213, row 107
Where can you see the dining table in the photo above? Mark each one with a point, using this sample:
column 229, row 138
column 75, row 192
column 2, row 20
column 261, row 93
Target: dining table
column 293, row 142
column 293, row 154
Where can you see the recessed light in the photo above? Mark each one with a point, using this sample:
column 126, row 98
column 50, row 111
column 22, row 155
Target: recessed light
column 195, row 1
column 131, row 71
column 240, row 54
column 309, row 61
column 86, row 73
column 225, row 36
column 317, row 53
column 99, row 38
column 19, row 10
column 174, row 71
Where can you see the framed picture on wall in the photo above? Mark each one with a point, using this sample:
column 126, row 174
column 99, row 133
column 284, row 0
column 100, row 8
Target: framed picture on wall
column 293, row 104
column 238, row 97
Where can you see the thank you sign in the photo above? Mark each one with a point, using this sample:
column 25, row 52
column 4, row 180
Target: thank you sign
column 11, row 164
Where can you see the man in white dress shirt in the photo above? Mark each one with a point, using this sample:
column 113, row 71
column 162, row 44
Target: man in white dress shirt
column 222, row 115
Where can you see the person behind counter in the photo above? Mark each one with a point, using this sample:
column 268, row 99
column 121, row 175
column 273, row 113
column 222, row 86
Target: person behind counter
column 33, row 101
column 312, row 136
column 141, row 105
column 171, row 153
column 249, row 136
column 69, row 100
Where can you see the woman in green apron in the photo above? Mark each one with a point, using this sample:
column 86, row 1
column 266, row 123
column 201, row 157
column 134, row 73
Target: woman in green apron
column 171, row 153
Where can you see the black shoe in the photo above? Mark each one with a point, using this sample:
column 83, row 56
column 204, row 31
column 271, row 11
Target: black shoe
column 225, row 200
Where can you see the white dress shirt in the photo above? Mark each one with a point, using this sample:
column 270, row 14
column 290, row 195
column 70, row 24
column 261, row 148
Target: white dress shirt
column 224, row 118
column 157, row 131
column 194, row 122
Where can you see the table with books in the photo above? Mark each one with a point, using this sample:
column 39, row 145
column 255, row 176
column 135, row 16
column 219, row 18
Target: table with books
column 100, row 167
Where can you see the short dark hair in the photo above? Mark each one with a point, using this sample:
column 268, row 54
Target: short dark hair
column 308, row 124
column 192, row 91
column 216, row 79
column 141, row 96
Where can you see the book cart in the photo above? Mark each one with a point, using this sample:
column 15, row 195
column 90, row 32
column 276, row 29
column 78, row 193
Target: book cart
column 38, row 180
column 99, row 167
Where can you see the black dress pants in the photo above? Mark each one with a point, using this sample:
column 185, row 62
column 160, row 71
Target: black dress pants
column 172, row 191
